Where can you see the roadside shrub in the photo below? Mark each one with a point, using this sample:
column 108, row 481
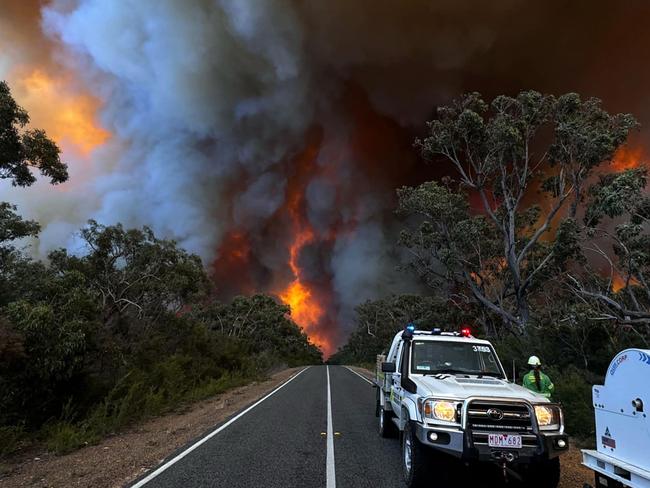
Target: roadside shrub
column 64, row 437
column 573, row 391
column 12, row 439
column 214, row 387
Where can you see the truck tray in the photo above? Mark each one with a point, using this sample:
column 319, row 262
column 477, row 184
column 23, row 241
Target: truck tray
column 625, row 473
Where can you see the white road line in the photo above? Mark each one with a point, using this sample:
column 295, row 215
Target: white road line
column 359, row 375
column 331, row 472
column 169, row 463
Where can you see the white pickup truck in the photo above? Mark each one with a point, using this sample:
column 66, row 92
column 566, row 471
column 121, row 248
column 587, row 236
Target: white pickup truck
column 446, row 393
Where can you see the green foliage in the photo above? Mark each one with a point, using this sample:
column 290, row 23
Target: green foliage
column 50, row 330
column 132, row 273
column 93, row 343
column 64, row 437
column 55, row 345
column 13, row 436
column 22, row 149
column 12, row 226
column 585, row 134
column 450, row 244
column 616, row 194
column 573, row 389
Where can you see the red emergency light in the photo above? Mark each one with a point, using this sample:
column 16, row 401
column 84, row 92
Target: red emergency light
column 466, row 332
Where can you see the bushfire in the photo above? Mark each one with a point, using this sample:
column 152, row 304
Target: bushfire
column 305, row 309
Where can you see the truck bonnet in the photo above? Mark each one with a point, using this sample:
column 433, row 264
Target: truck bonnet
column 461, row 387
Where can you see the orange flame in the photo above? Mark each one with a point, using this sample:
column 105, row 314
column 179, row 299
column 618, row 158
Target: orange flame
column 628, row 158
column 619, row 283
column 306, row 309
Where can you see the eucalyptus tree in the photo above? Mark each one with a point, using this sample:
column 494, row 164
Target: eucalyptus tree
column 504, row 222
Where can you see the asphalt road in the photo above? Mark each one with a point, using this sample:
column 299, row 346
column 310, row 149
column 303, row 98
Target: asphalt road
column 282, row 441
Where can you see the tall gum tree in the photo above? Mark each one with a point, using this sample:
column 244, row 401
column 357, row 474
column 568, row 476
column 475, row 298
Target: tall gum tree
column 525, row 161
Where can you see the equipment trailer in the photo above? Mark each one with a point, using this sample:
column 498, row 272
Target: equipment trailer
column 622, row 406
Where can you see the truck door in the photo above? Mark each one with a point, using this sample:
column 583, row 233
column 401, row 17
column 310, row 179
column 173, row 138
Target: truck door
column 396, row 379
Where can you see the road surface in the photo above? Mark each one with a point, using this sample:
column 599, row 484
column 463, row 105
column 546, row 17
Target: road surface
column 316, row 430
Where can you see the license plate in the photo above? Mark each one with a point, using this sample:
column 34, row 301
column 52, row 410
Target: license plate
column 505, row 440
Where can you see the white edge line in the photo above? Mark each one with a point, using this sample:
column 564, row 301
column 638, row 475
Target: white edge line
column 331, row 469
column 359, row 375
column 180, row 456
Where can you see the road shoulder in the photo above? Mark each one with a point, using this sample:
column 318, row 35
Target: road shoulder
column 121, row 458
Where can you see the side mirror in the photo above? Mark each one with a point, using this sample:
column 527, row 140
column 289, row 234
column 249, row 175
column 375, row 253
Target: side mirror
column 388, row 367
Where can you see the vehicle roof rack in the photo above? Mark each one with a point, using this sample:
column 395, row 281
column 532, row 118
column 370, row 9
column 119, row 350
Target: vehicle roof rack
column 437, row 332
column 445, row 333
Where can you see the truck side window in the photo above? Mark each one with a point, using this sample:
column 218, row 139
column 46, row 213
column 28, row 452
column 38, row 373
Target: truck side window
column 396, row 358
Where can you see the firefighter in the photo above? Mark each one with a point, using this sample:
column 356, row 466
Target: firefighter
column 537, row 381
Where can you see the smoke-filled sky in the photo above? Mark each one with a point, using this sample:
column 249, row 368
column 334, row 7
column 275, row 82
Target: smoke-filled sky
column 268, row 136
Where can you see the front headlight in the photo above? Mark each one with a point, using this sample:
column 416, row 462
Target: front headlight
column 549, row 417
column 440, row 410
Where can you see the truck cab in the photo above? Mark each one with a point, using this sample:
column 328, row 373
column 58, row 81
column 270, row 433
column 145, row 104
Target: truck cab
column 446, row 393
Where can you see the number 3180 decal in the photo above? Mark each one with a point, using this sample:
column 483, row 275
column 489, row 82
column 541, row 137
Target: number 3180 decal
column 481, row 349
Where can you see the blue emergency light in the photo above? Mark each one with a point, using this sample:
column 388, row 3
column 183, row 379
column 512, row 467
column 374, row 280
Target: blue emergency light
column 408, row 332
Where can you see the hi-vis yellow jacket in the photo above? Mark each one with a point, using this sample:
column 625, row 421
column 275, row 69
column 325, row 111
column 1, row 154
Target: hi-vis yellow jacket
column 546, row 385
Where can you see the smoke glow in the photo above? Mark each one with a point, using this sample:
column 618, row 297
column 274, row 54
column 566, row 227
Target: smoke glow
column 69, row 118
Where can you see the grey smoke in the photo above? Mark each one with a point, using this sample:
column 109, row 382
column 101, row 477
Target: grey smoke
column 208, row 101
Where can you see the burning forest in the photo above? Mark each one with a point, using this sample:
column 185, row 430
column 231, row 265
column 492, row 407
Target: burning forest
column 203, row 195
column 270, row 141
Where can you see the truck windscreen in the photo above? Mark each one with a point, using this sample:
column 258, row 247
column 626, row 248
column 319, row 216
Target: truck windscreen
column 437, row 357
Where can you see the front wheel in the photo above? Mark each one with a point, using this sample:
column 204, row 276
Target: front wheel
column 415, row 457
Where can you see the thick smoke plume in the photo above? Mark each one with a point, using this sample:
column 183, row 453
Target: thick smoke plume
column 268, row 136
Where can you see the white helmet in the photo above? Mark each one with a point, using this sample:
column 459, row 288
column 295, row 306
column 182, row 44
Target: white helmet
column 534, row 361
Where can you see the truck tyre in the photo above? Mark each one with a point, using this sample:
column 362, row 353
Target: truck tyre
column 545, row 474
column 387, row 428
column 415, row 459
